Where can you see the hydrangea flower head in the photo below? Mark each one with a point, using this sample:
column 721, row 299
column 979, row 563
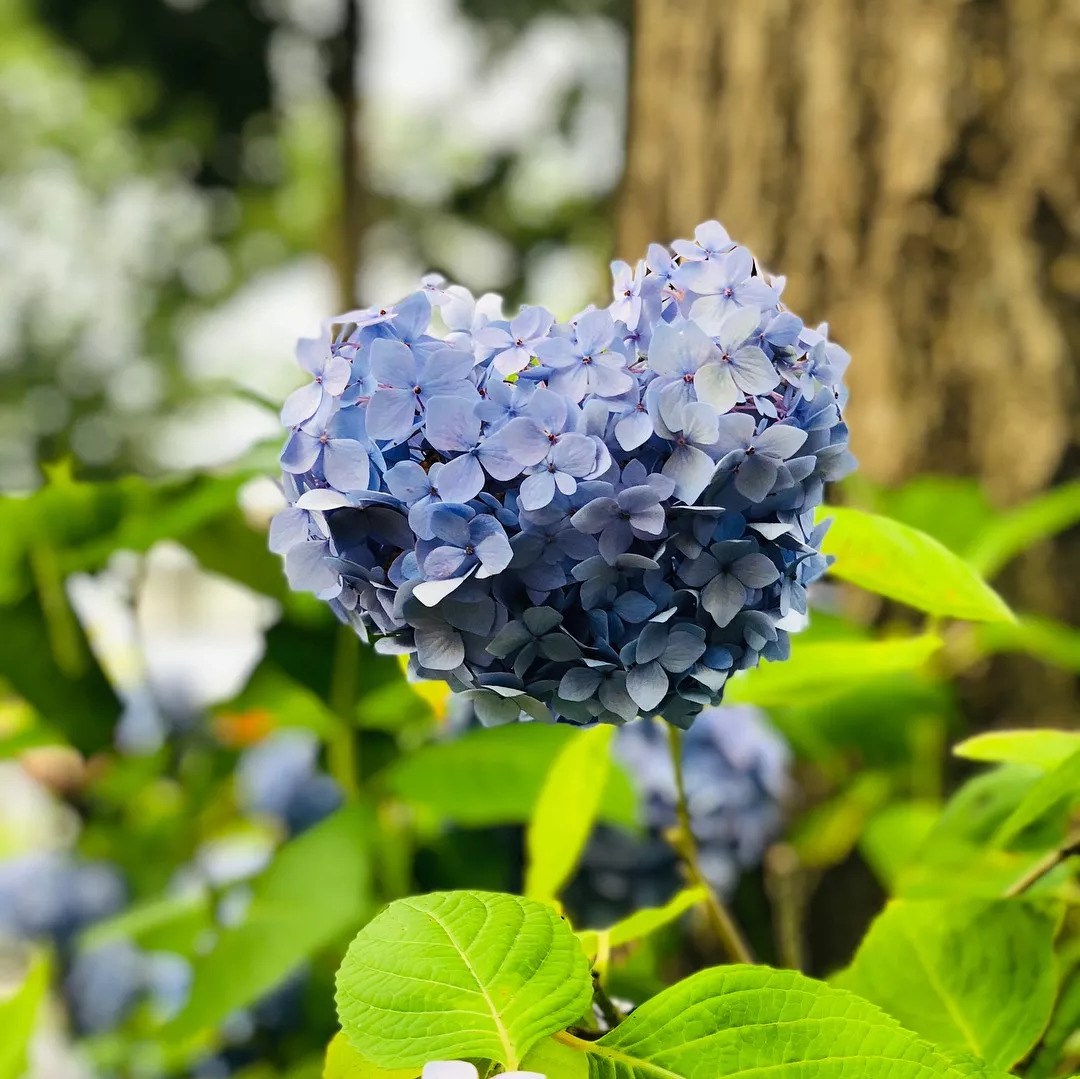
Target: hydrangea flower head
column 583, row 521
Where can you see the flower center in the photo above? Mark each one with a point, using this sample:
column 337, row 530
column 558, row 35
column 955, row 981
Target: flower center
column 416, row 389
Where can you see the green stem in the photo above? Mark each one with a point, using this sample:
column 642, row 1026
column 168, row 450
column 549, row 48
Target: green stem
column 784, row 885
column 723, row 924
column 605, row 1004
column 342, row 751
column 63, row 630
column 1045, row 865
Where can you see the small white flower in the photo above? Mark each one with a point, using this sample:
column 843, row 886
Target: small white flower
column 458, row 1069
column 449, row 1069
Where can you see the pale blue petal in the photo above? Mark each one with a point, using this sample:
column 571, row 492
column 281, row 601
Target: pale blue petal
column 461, row 479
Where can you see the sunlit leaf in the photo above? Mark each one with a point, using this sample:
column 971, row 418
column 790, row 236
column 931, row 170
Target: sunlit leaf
column 344, row 1062
column 1058, row 787
column 1045, row 749
column 968, row 975
column 18, row 1019
column 904, row 564
column 822, row 669
column 566, row 810
column 454, row 975
column 893, row 837
column 642, row 922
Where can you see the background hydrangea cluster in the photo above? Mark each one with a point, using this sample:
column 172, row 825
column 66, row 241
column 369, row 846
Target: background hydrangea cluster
column 736, row 768
column 55, row 897
column 593, row 520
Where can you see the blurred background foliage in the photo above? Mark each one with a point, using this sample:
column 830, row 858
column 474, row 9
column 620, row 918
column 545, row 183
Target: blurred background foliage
column 187, row 186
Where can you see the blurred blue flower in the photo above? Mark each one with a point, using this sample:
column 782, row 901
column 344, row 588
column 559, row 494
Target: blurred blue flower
column 279, row 777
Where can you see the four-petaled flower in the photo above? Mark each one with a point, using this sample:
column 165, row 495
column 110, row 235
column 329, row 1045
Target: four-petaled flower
column 586, row 364
column 407, row 382
column 515, row 346
column 633, row 512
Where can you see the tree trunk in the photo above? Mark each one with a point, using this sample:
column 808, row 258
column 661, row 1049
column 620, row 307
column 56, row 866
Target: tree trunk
column 913, row 167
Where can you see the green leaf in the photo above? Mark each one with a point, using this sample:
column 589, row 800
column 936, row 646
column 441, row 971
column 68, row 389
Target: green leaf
column 1045, row 749
column 493, row 776
column 18, row 1019
column 344, row 1062
column 951, row 509
column 460, row 974
column 828, row 668
column 909, row 566
column 1058, row 787
column 1049, row 1060
column 1023, row 527
column 749, row 1021
column 566, row 811
column 314, row 891
column 893, row 837
column 171, row 923
column 971, row 975
column 642, row 922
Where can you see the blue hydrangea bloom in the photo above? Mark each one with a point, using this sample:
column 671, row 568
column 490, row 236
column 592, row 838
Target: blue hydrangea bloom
column 52, row 895
column 279, row 778
column 646, row 474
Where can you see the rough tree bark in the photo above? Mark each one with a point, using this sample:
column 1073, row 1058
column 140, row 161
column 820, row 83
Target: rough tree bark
column 913, row 167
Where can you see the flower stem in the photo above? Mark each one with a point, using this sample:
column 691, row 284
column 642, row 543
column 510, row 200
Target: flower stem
column 342, row 751
column 1046, row 865
column 723, row 924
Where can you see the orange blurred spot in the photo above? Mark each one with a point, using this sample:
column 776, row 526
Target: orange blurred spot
column 239, row 729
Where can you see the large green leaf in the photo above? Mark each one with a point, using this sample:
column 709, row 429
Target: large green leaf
column 566, row 811
column 1045, row 749
column 904, row 564
column 493, row 776
column 823, row 669
column 315, row 890
column 752, row 1022
column 460, row 974
column 18, row 1019
column 972, row 975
